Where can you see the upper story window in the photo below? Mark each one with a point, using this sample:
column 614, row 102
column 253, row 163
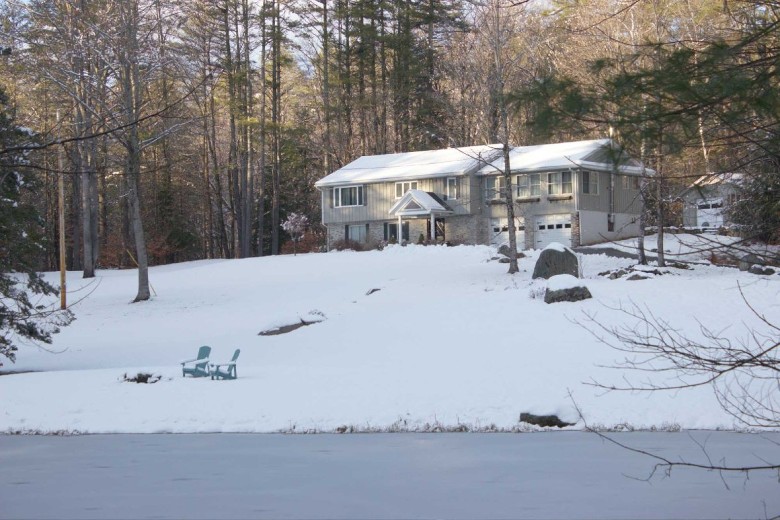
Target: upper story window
column 494, row 187
column 348, row 196
column 452, row 188
column 403, row 187
column 529, row 185
column 630, row 182
column 590, row 182
column 559, row 183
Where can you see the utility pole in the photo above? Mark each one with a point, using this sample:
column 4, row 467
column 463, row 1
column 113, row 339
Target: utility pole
column 61, row 218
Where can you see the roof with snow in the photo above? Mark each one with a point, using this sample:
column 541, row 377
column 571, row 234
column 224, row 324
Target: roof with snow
column 713, row 179
column 418, row 202
column 598, row 154
column 412, row 165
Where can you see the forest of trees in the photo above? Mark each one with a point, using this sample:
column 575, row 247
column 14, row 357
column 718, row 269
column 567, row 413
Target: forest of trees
column 188, row 129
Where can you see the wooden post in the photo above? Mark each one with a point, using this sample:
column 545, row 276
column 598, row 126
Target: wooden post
column 61, row 218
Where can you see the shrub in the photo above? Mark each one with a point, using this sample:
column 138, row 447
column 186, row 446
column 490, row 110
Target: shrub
column 346, row 244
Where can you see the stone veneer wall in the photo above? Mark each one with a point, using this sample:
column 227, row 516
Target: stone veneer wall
column 575, row 230
column 461, row 230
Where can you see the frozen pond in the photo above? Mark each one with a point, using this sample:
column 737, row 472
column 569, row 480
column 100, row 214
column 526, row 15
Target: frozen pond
column 539, row 475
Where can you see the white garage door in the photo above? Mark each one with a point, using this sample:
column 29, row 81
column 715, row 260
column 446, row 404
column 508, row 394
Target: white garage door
column 552, row 228
column 499, row 232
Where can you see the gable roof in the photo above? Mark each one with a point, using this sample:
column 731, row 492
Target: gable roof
column 713, row 180
column 412, row 165
column 597, row 154
column 419, row 202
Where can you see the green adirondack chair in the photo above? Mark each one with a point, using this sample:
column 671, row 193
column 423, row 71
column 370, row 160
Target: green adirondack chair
column 197, row 367
column 225, row 370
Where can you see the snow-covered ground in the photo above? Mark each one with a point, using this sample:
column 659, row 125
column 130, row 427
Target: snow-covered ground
column 449, row 340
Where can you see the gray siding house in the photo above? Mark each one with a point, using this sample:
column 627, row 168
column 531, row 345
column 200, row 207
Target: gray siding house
column 576, row 193
column 707, row 200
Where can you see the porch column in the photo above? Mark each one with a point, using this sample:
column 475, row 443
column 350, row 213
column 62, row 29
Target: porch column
column 400, row 230
column 432, row 238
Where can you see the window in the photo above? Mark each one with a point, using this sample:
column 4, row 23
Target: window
column 529, row 185
column 452, row 188
column 559, row 183
column 348, row 196
column 357, row 233
column 630, row 182
column 391, row 232
column 494, row 187
column 403, row 187
column 590, row 183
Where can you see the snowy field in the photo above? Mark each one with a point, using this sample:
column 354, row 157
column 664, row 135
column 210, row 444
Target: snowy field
column 448, row 341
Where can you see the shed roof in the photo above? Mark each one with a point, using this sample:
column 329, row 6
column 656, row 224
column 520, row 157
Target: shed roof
column 412, row 165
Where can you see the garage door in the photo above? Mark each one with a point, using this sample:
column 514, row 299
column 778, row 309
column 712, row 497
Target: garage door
column 552, row 228
column 499, row 232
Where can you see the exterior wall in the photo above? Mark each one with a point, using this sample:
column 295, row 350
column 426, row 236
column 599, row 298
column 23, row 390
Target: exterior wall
column 589, row 225
column 627, row 200
column 462, row 229
column 380, row 197
column 593, row 227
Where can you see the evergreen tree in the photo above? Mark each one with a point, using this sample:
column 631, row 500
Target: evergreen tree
column 24, row 313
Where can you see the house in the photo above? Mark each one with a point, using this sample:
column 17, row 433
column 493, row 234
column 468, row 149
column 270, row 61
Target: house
column 707, row 200
column 576, row 193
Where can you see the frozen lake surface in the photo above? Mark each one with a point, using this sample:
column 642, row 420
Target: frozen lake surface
column 535, row 475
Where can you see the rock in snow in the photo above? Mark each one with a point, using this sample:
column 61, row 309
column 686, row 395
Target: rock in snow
column 556, row 259
column 565, row 288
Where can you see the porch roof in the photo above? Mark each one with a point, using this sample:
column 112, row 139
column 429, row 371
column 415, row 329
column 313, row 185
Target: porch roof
column 419, row 202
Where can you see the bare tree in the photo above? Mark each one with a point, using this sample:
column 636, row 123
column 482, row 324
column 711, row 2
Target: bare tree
column 744, row 373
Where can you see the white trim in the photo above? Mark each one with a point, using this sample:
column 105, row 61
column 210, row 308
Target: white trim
column 405, row 187
column 456, row 182
column 360, row 196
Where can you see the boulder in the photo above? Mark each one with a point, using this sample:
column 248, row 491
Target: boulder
column 565, row 288
column 573, row 294
column 556, row 259
column 545, row 421
column 504, row 250
column 757, row 269
column 748, row 261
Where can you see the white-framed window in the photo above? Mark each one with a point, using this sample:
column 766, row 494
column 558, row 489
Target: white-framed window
column 529, row 185
column 631, row 182
column 452, row 188
column 403, row 187
column 559, row 183
column 494, row 187
column 348, row 196
column 357, row 233
column 590, row 182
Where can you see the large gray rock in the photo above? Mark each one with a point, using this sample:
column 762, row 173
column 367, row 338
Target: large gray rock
column 748, row 261
column 556, row 259
column 572, row 294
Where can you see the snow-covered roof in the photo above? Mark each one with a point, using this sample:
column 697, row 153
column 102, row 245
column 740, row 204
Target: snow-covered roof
column 412, row 165
column 599, row 154
column 713, row 179
column 419, row 202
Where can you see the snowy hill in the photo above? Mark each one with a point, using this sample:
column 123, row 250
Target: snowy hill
column 449, row 340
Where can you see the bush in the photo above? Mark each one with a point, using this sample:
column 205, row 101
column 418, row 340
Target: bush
column 351, row 245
